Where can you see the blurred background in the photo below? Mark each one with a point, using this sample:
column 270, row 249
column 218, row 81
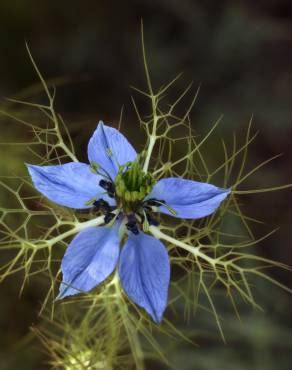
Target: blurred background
column 240, row 52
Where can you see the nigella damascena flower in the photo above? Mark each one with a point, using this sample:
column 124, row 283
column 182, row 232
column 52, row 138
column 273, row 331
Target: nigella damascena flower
column 116, row 185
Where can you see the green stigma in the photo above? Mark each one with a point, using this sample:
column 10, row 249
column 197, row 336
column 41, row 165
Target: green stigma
column 132, row 184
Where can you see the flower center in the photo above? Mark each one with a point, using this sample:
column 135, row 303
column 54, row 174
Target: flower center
column 132, row 185
column 130, row 188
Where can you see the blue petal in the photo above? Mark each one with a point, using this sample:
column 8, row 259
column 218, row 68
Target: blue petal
column 89, row 259
column 144, row 272
column 109, row 149
column 71, row 184
column 189, row 199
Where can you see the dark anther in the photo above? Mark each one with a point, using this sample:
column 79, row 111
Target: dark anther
column 108, row 186
column 131, row 225
column 102, row 205
column 108, row 217
column 154, row 202
column 152, row 220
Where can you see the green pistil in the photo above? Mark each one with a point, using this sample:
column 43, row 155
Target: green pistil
column 132, row 185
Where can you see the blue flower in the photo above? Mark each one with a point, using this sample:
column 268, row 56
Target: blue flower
column 115, row 185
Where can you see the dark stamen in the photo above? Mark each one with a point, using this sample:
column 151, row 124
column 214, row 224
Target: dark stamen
column 102, row 205
column 131, row 225
column 151, row 220
column 109, row 217
column 159, row 203
column 154, row 202
column 108, row 186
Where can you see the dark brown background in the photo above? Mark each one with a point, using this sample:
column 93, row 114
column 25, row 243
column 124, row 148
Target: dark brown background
column 240, row 52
